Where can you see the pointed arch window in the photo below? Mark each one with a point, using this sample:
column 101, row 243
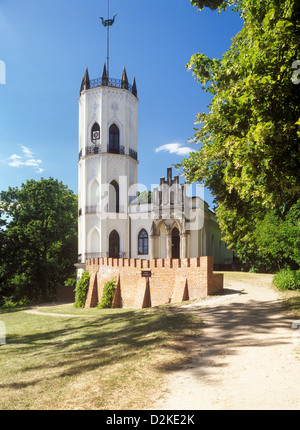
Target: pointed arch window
column 175, row 243
column 114, row 244
column 95, row 133
column 114, row 139
column 94, row 242
column 114, row 197
column 143, row 242
column 93, row 197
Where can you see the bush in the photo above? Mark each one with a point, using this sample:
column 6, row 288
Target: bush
column 7, row 303
column 70, row 282
column 82, row 289
column 287, row 279
column 108, row 294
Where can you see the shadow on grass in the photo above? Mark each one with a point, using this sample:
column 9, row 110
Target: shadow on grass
column 13, row 309
column 70, row 347
column 292, row 304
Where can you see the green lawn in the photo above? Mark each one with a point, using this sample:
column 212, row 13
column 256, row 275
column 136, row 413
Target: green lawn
column 291, row 302
column 98, row 359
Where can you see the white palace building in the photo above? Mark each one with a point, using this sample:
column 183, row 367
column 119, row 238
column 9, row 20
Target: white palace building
column 113, row 220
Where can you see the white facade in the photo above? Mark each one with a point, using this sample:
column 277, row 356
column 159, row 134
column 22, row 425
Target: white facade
column 107, row 166
column 113, row 222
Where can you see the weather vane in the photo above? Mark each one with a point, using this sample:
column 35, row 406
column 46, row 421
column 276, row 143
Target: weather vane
column 108, row 23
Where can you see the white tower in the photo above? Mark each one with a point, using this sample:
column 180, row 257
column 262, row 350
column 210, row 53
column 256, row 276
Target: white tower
column 107, row 166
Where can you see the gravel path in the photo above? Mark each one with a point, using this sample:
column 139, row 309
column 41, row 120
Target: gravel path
column 247, row 358
column 38, row 310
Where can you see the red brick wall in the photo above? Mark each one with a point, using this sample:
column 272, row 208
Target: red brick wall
column 172, row 280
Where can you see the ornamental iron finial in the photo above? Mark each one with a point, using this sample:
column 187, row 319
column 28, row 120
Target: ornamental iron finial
column 108, row 22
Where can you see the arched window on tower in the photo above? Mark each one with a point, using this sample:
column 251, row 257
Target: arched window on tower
column 143, row 242
column 114, row 139
column 93, row 197
column 95, row 133
column 93, row 245
column 114, row 197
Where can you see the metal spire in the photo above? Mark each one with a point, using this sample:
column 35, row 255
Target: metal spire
column 107, row 23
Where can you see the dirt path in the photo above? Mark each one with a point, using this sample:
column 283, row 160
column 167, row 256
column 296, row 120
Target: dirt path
column 246, row 358
column 39, row 311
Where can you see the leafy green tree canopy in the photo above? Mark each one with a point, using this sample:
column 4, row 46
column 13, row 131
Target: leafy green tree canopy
column 212, row 4
column 249, row 137
column 249, row 140
column 39, row 240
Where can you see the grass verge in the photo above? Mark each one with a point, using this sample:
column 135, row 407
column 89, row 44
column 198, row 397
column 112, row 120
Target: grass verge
column 291, row 302
column 116, row 359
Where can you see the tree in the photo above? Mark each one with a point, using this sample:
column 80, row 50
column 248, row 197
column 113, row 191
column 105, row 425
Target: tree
column 212, row 4
column 249, row 154
column 278, row 240
column 39, row 241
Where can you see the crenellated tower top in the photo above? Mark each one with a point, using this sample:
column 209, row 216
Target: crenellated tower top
column 106, row 81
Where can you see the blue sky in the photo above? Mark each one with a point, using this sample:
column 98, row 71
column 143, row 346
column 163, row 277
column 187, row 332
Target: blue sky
column 45, row 46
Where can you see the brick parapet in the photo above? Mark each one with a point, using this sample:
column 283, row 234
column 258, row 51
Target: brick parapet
column 170, row 280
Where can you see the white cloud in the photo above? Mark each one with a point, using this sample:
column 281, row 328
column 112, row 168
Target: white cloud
column 27, row 159
column 14, row 157
column 32, row 162
column 26, row 151
column 175, row 148
column 15, row 161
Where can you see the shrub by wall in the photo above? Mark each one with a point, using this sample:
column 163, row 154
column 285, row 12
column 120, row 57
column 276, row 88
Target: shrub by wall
column 81, row 290
column 108, row 294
